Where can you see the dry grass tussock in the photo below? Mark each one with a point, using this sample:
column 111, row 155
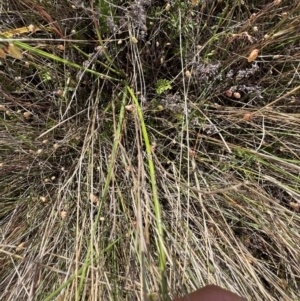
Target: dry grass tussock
column 148, row 148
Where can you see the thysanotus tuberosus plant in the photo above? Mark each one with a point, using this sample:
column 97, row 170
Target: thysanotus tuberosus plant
column 148, row 148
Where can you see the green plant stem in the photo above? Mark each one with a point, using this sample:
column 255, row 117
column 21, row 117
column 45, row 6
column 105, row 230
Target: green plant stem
column 157, row 208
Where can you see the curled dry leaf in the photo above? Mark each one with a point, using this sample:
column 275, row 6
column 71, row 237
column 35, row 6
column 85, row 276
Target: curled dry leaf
column 253, row 55
column 13, row 51
column 2, row 54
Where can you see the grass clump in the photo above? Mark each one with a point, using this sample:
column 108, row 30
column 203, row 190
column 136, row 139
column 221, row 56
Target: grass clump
column 148, row 148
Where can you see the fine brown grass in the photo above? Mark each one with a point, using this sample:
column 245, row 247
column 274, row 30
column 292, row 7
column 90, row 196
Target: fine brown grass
column 142, row 155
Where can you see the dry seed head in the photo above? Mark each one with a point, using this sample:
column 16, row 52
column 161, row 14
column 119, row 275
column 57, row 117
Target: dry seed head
column 31, row 28
column 284, row 285
column 94, row 199
column 43, row 199
column 20, row 247
column 229, row 93
column 130, row 108
column 63, row 214
column 153, row 146
column 61, row 47
column 252, row 16
column 99, row 48
column 27, row 114
column 134, row 40
column 55, row 146
column 168, row 6
column 59, row 92
column 295, row 206
column 188, row 74
column 39, row 151
column 249, row 258
column 192, row 153
column 8, row 112
column 45, row 141
column 237, row 95
column 247, row 116
column 253, row 55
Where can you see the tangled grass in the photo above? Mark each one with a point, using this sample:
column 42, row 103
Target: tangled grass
column 144, row 154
